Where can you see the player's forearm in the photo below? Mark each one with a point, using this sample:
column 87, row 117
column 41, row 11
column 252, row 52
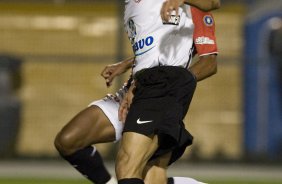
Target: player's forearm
column 205, row 5
column 205, row 67
column 128, row 63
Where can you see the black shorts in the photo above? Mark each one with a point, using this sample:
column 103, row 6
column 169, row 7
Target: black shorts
column 161, row 101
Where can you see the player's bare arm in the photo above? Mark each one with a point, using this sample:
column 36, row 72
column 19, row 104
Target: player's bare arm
column 205, row 67
column 205, row 5
column 170, row 6
column 113, row 70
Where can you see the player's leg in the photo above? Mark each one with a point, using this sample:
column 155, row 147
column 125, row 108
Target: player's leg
column 156, row 170
column 135, row 150
column 89, row 127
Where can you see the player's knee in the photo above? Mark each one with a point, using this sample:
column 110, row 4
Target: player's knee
column 65, row 144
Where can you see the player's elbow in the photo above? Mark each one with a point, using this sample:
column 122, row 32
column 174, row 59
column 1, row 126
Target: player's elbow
column 205, row 5
column 216, row 4
column 213, row 5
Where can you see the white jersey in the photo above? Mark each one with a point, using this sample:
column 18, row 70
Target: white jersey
column 156, row 43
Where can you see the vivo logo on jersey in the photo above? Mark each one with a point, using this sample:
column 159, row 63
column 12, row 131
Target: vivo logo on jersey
column 141, row 44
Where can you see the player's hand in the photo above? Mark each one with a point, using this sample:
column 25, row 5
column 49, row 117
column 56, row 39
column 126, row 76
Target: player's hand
column 111, row 71
column 125, row 104
column 169, row 7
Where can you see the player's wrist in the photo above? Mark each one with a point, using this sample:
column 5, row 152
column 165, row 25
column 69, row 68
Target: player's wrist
column 125, row 65
column 129, row 62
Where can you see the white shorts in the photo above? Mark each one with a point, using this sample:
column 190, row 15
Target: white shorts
column 110, row 105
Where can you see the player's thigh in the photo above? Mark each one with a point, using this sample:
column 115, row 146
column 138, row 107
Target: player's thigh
column 135, row 150
column 156, row 170
column 90, row 126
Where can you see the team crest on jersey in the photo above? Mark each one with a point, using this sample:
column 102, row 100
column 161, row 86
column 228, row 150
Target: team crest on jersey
column 208, row 20
column 131, row 30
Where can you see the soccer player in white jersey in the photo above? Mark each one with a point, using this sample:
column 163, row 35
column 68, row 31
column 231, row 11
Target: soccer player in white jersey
column 99, row 123
column 154, row 135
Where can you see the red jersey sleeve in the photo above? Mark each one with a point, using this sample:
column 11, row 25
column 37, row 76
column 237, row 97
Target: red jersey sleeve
column 204, row 32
